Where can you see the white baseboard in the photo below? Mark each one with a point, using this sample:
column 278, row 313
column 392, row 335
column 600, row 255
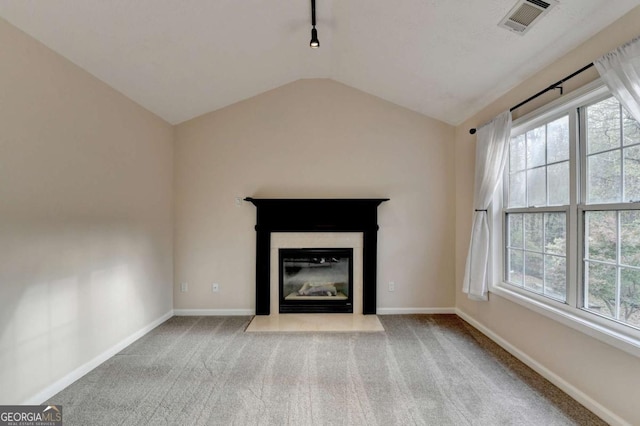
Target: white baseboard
column 65, row 381
column 212, row 312
column 597, row 408
column 407, row 311
column 243, row 312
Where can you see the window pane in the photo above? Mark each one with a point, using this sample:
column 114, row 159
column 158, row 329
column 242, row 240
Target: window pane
column 558, row 182
column 516, row 230
column 533, row 231
column 533, row 271
column 555, row 234
column 555, row 280
column 630, row 297
column 631, row 128
column 516, row 265
column 632, row 174
column 517, row 154
column 601, row 280
column 630, row 237
column 536, row 147
column 603, row 178
column 603, row 125
column 601, row 235
column 517, row 190
column 536, row 187
column 558, row 140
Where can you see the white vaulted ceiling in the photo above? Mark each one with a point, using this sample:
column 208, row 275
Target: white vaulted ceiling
column 182, row 58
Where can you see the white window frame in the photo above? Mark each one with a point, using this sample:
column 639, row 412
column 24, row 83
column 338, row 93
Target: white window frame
column 570, row 313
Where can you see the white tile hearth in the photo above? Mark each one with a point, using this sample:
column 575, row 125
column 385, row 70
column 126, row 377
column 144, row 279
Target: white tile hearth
column 315, row 322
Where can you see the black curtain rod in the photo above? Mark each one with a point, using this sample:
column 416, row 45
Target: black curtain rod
column 556, row 85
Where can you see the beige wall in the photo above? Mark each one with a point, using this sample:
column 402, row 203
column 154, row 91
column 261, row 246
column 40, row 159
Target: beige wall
column 85, row 217
column 603, row 373
column 313, row 138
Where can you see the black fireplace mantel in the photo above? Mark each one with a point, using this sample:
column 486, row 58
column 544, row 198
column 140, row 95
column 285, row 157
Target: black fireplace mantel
column 316, row 215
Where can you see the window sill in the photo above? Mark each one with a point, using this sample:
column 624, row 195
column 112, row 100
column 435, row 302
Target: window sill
column 573, row 318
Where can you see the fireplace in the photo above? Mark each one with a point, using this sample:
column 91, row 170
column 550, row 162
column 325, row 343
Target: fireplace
column 316, row 216
column 316, row 280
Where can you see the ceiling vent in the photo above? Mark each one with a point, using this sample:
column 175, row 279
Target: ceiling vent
column 525, row 13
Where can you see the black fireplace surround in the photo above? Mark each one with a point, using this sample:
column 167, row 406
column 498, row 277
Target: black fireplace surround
column 316, row 215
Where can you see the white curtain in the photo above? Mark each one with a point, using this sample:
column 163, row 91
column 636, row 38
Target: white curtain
column 491, row 155
column 620, row 70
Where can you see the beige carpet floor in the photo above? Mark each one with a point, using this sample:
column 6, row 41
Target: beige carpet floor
column 422, row 370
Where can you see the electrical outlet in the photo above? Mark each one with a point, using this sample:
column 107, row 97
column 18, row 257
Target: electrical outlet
column 215, row 287
column 184, row 287
column 392, row 286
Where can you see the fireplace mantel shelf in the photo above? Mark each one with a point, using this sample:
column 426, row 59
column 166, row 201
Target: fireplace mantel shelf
column 316, row 215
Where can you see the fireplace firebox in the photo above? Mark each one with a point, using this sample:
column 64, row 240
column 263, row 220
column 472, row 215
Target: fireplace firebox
column 316, row 280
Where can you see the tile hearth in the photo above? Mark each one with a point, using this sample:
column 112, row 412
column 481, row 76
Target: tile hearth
column 314, row 323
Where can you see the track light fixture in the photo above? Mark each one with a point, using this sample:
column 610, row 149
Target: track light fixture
column 314, row 43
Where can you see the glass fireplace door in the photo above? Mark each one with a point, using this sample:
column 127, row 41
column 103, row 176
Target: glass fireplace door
column 316, row 280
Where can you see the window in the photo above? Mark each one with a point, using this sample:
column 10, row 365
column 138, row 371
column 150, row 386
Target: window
column 571, row 210
column 611, row 225
column 536, row 253
column 537, row 200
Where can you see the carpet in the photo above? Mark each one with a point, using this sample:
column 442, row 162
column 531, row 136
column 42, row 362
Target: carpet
column 423, row 370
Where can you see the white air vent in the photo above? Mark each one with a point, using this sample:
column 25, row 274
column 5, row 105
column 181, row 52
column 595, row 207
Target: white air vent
column 525, row 13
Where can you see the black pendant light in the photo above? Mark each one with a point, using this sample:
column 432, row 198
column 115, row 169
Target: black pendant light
column 314, row 43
